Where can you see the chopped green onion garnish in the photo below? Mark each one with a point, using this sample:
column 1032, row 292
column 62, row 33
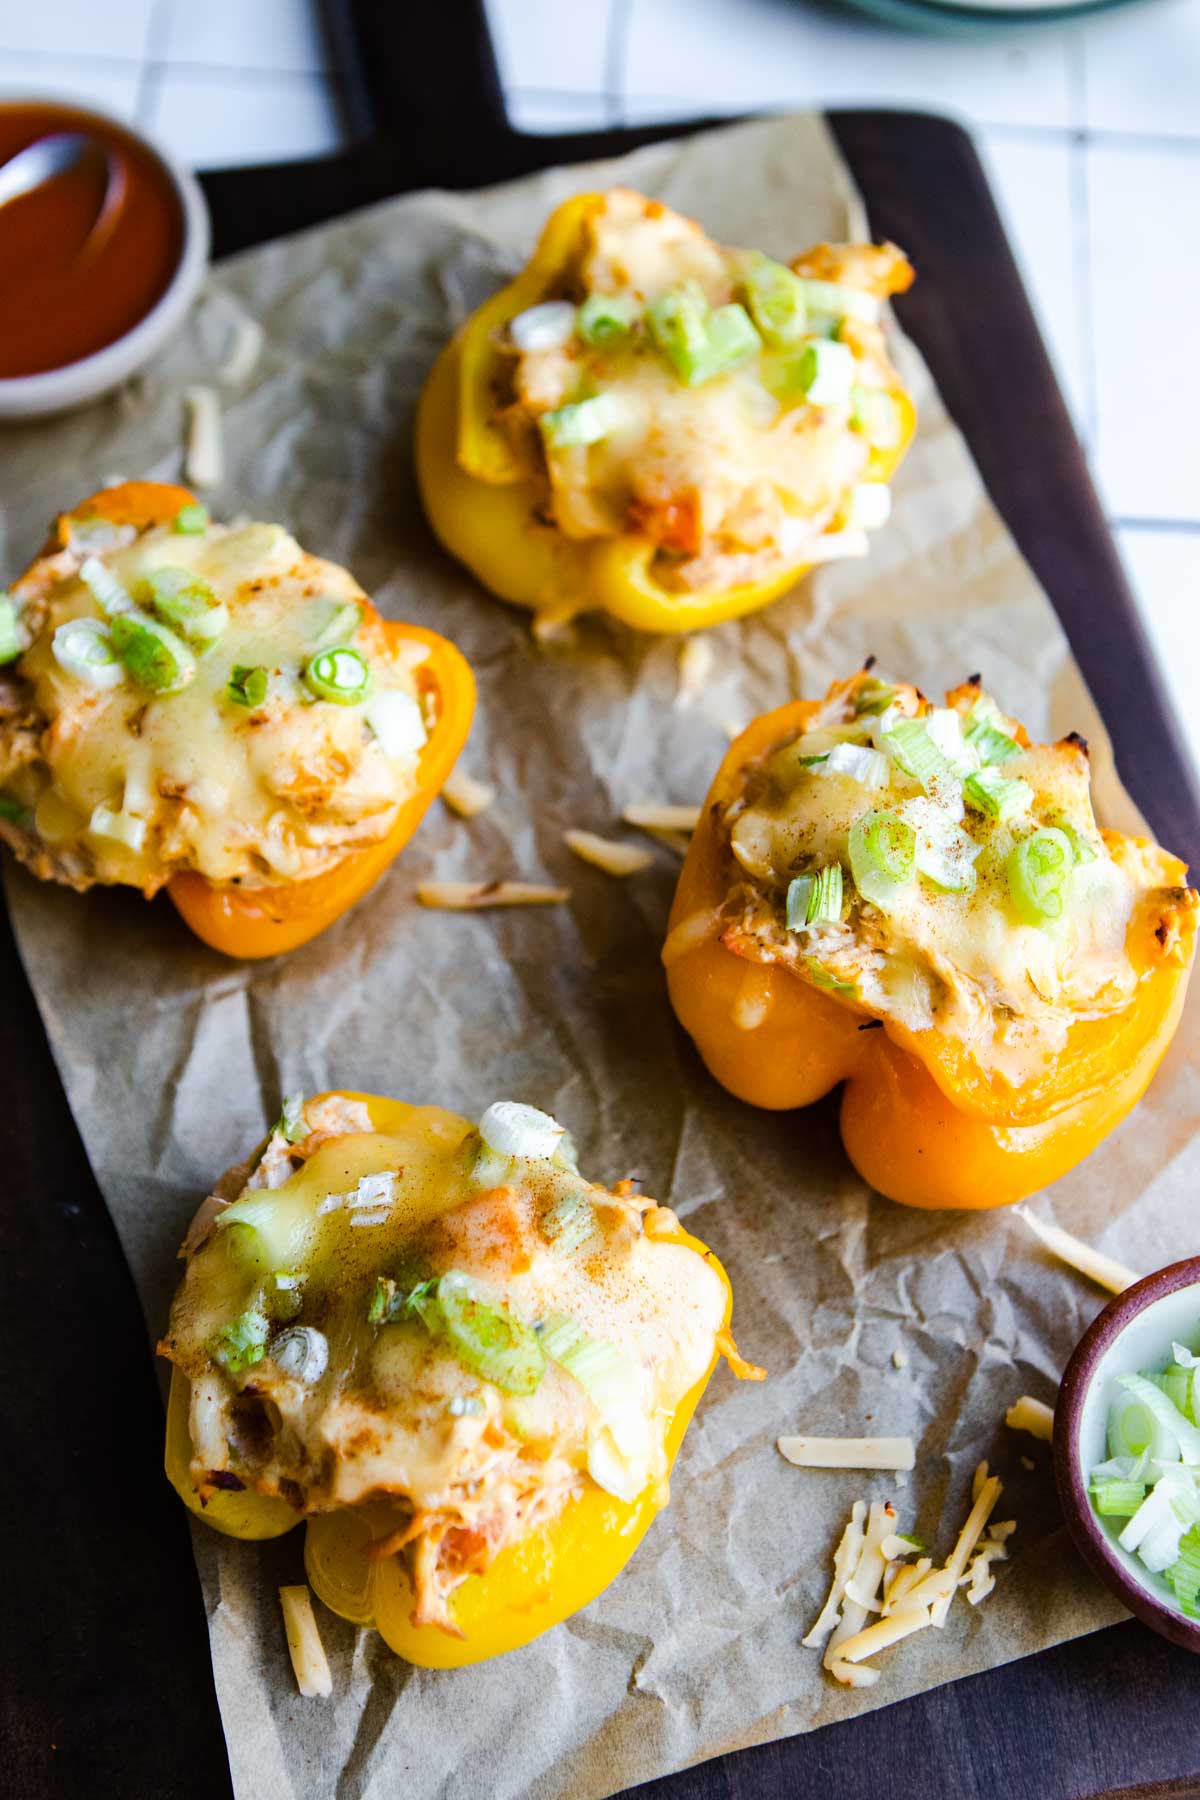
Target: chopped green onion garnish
column 677, row 322
column 1083, row 848
column 10, row 638
column 151, row 653
column 835, row 301
column 383, row 1306
column 909, row 745
column 731, row 339
column 606, row 318
column 872, row 696
column 247, row 686
column 105, row 587
column 1117, row 1499
column 875, row 413
column 586, row 422
column 862, row 764
column 798, row 896
column 490, row 1340
column 84, row 648
column 292, row 1123
column 12, row 810
column 569, row 1223
column 191, row 520
column 1038, row 868
column 815, row 899
column 242, row 1344
column 994, row 795
column 338, row 675
column 820, row 977
column 883, row 856
column 825, row 373
column 990, row 745
column 776, row 300
column 187, row 603
column 335, row 623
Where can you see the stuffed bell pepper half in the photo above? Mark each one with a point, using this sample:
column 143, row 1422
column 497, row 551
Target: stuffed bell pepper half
column 466, row 1367
column 916, row 901
column 212, row 710
column 649, row 424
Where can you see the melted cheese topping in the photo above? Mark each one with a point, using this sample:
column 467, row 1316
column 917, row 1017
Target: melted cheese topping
column 734, row 476
column 254, row 795
column 388, row 1408
column 962, row 961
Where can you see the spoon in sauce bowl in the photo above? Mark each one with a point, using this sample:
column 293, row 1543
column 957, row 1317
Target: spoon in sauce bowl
column 51, row 156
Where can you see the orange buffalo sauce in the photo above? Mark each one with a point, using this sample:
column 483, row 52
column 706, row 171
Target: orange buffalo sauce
column 59, row 303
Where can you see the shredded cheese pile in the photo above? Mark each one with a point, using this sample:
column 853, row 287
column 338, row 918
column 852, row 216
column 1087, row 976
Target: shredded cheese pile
column 876, row 1571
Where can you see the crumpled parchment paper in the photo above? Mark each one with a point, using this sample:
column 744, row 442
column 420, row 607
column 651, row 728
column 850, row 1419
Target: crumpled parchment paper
column 174, row 1059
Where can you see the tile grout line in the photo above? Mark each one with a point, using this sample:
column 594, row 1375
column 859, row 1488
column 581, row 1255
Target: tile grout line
column 616, row 48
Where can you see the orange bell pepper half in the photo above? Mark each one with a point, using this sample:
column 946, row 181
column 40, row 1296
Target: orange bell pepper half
column 921, row 1120
column 485, row 500
column 258, row 922
column 531, row 1585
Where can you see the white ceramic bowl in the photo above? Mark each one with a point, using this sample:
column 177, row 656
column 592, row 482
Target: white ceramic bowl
column 1135, row 1331
column 58, row 390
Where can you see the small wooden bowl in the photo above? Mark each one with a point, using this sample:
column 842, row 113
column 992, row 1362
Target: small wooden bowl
column 1132, row 1332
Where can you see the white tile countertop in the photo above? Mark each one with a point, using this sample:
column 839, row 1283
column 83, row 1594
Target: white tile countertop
column 1090, row 132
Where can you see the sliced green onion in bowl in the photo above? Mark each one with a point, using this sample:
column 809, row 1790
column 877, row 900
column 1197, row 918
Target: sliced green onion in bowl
column 607, row 318
column 191, row 520
column 1038, row 869
column 247, row 686
column 185, row 602
column 112, row 596
column 1136, row 1432
column 1117, row 1499
column 153, row 655
column 1167, row 1415
column 340, row 676
column 775, row 297
column 883, row 856
column 10, row 636
column 582, row 423
column 84, row 648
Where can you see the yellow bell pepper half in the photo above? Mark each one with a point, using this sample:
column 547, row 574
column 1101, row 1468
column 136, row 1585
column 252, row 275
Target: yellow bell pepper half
column 485, row 503
column 531, row 1586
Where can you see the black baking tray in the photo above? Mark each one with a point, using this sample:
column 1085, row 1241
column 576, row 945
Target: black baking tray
column 106, row 1685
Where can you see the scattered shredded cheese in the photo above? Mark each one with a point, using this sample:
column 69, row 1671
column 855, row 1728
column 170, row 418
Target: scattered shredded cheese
column 244, row 351
column 1101, row 1269
column 305, row 1648
column 899, row 1359
column 1033, row 1416
column 696, row 661
column 603, row 853
column 872, row 1574
column 471, row 896
column 678, row 841
column 848, row 1453
column 647, row 815
column 466, row 796
column 204, row 460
